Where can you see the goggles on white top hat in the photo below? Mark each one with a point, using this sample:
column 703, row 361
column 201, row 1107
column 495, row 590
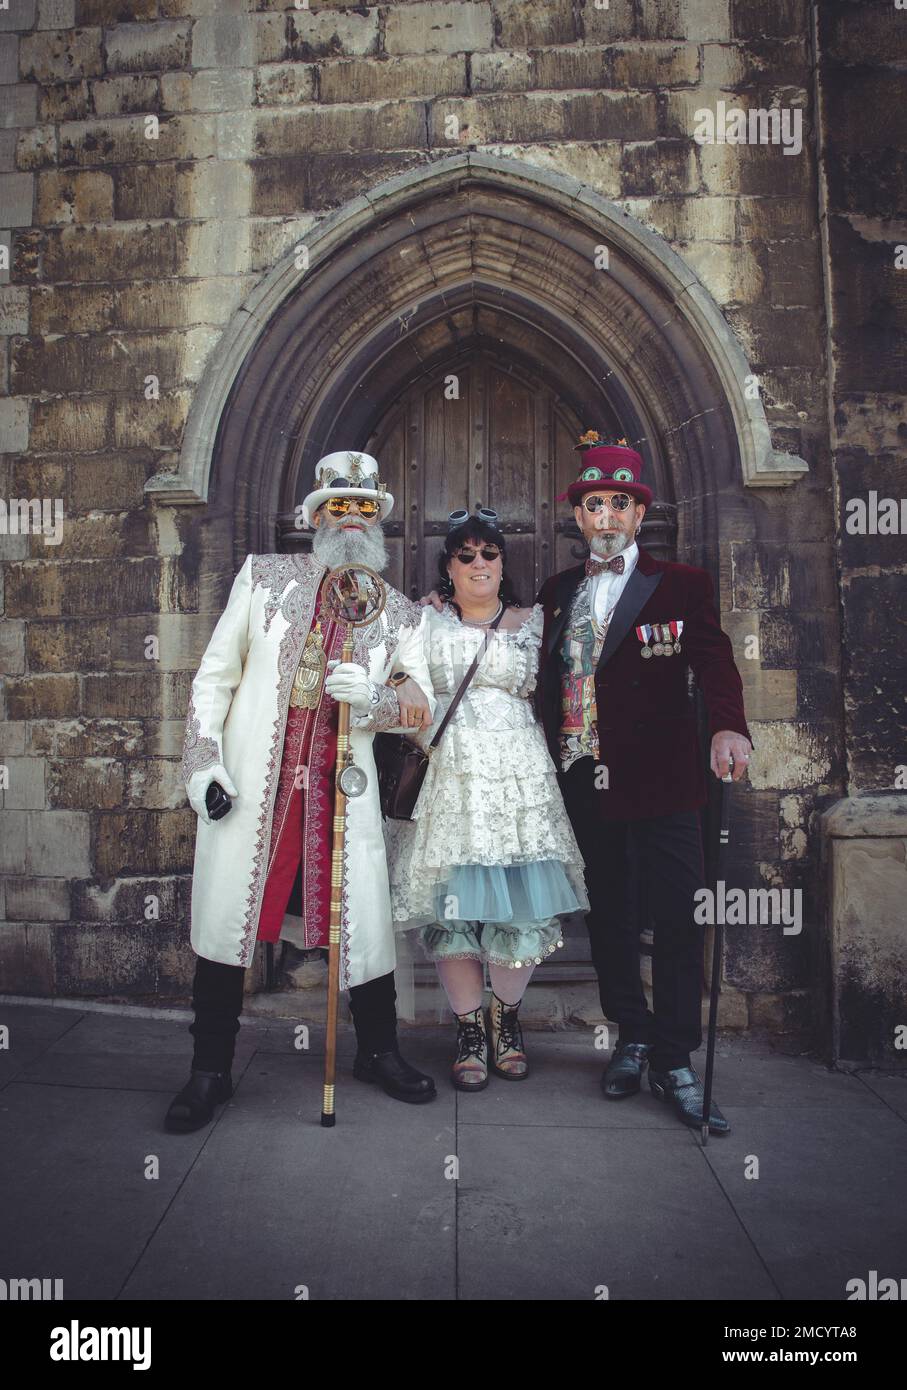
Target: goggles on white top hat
column 346, row 473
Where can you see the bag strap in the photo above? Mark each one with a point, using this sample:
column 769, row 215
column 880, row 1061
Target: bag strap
column 451, row 708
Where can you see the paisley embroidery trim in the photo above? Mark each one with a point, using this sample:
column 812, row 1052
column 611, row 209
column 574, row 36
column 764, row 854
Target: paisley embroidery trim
column 316, row 866
column 275, row 572
column 297, row 606
column 345, row 919
column 386, row 714
column 198, row 752
column 399, row 611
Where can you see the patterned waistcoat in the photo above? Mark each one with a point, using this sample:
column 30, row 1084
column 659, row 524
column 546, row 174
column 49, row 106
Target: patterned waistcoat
column 580, row 650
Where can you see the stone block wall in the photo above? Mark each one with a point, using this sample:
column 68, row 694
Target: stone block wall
column 863, row 50
column 157, row 160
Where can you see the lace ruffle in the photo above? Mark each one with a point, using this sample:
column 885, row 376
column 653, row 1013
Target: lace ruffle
column 515, row 948
column 490, row 796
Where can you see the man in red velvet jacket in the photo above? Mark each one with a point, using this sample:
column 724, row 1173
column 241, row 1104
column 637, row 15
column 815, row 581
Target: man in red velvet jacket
column 620, row 632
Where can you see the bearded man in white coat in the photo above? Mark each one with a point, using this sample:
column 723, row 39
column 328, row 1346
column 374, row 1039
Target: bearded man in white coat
column 262, row 725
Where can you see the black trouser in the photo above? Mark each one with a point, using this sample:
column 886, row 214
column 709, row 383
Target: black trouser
column 217, row 996
column 637, row 871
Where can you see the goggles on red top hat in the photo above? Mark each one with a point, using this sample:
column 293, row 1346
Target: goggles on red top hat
column 607, row 468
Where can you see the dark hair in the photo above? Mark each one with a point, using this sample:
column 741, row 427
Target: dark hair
column 475, row 532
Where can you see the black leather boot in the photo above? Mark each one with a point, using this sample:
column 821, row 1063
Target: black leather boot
column 217, row 999
column 395, row 1076
column 194, row 1106
column 378, row 1060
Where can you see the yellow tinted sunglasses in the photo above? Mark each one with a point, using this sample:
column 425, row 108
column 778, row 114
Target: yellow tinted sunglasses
column 339, row 506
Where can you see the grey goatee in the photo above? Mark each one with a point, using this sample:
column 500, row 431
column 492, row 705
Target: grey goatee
column 334, row 546
column 609, row 546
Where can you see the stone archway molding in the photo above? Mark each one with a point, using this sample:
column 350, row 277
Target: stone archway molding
column 762, row 465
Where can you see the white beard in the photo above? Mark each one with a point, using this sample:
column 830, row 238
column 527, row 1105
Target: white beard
column 334, row 547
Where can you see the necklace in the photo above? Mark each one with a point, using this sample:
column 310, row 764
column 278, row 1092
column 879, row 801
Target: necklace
column 483, row 622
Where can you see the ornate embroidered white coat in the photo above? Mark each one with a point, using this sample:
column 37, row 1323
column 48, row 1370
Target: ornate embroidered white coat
column 237, row 716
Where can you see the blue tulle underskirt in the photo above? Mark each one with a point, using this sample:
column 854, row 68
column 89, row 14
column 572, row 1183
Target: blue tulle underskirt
column 505, row 893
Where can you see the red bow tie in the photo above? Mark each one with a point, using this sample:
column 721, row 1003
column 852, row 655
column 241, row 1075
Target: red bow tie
column 599, row 566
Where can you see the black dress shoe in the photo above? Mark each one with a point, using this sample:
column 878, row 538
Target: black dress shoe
column 623, row 1074
column 682, row 1088
column 395, row 1076
column 194, row 1106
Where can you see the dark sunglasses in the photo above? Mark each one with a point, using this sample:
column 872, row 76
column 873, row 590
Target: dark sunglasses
column 487, row 552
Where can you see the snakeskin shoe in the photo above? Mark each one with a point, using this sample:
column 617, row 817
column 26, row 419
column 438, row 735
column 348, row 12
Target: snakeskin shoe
column 682, row 1088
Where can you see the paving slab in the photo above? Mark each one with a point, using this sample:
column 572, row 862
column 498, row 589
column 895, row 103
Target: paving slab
column 32, row 1029
column 275, row 1203
column 830, row 1199
column 77, row 1203
column 891, row 1088
column 564, row 1213
column 104, row 1050
column 560, row 1194
column 771, row 1079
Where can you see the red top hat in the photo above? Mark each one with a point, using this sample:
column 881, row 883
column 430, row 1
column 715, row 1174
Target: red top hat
column 607, row 468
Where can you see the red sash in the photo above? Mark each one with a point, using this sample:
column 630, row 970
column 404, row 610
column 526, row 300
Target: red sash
column 301, row 826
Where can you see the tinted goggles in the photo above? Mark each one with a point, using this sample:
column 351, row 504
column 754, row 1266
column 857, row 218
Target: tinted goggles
column 618, row 503
column 339, row 506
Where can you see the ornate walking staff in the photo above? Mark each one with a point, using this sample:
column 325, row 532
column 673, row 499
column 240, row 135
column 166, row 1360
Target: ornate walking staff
column 354, row 595
column 717, row 952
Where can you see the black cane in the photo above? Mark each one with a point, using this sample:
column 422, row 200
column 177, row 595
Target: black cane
column 717, row 952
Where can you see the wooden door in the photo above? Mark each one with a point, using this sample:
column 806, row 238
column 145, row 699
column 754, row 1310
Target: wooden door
column 483, row 432
column 478, row 434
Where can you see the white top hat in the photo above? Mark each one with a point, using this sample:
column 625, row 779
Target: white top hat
column 346, row 473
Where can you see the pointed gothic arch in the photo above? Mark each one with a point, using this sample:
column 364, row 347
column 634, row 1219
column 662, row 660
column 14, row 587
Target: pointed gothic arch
column 474, row 248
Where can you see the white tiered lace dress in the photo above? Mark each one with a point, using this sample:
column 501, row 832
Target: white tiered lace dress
column 489, row 858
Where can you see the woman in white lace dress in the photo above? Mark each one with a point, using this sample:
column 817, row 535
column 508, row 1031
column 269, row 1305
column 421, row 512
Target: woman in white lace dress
column 489, row 859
